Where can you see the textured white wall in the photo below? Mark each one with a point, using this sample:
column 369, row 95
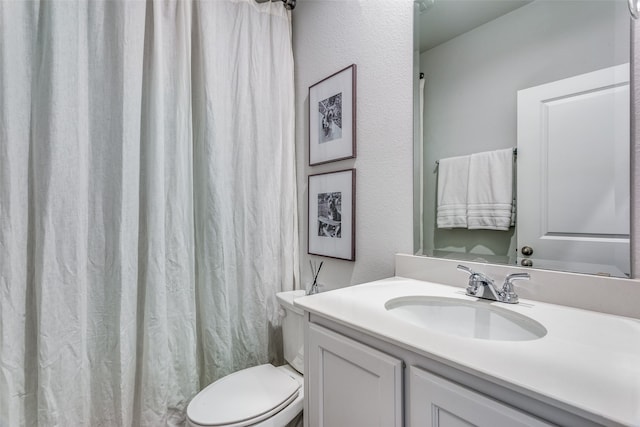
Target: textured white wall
column 329, row 35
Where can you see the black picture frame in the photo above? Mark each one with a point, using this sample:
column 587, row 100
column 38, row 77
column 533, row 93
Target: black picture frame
column 331, row 214
column 332, row 117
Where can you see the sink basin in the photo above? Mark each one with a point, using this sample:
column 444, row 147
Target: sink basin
column 468, row 319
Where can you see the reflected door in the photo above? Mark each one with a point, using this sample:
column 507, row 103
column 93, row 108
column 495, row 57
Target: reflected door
column 572, row 172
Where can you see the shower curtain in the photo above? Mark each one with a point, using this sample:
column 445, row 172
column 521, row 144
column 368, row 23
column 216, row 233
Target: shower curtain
column 147, row 203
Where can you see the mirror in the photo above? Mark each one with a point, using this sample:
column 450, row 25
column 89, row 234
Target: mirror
column 480, row 59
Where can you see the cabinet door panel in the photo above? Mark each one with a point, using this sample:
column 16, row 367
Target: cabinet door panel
column 351, row 384
column 436, row 402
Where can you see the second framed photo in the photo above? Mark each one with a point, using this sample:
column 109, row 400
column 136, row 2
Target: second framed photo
column 332, row 214
column 332, row 117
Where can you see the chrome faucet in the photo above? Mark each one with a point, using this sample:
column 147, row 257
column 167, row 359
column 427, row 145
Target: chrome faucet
column 482, row 286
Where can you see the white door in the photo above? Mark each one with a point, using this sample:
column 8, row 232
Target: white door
column 436, row 402
column 573, row 199
column 351, row 384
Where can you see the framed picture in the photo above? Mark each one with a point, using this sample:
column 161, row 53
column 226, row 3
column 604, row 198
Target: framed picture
column 332, row 117
column 332, row 206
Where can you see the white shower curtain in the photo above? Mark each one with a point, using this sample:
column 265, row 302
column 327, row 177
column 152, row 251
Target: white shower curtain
column 147, row 203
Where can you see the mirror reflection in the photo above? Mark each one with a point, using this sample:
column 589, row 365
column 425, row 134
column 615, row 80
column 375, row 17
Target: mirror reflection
column 523, row 131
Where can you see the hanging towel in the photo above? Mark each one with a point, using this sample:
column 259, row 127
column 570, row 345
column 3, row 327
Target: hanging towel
column 490, row 197
column 453, row 177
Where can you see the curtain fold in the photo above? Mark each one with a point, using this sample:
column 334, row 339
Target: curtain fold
column 147, row 204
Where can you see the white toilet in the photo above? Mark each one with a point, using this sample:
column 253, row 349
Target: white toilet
column 261, row 396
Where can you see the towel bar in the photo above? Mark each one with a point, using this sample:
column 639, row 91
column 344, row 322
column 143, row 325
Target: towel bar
column 515, row 153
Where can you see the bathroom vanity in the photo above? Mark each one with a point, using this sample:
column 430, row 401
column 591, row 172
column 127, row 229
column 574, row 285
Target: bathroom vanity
column 402, row 351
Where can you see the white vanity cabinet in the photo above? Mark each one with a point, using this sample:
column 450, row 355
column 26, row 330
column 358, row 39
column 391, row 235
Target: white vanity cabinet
column 366, row 365
column 433, row 401
column 350, row 384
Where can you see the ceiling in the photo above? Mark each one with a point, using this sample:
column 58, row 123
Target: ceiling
column 446, row 19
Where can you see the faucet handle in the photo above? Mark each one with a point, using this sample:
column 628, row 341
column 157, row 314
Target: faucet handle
column 473, row 285
column 465, row 269
column 510, row 295
column 508, row 281
column 475, row 275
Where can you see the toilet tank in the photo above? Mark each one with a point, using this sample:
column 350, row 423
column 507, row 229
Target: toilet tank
column 292, row 329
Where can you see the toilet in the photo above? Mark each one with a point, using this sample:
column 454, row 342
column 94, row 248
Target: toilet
column 261, row 396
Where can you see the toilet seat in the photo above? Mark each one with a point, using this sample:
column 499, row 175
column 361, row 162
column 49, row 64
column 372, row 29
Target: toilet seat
column 244, row 398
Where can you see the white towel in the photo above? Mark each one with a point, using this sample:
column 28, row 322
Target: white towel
column 490, row 197
column 453, row 177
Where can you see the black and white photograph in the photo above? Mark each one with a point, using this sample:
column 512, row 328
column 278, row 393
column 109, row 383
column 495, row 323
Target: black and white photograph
column 332, row 214
column 329, row 214
column 332, row 116
column 330, row 111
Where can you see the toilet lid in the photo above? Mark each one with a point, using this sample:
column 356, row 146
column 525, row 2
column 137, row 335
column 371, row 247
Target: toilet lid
column 244, row 397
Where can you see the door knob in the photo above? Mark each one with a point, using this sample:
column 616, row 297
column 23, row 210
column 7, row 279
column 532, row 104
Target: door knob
column 526, row 262
column 527, row 250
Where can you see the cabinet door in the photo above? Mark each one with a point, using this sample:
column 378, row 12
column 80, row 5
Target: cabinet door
column 436, row 402
column 351, row 384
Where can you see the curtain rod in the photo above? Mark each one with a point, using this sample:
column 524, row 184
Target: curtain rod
column 288, row 4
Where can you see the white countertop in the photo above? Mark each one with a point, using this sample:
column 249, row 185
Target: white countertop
column 589, row 361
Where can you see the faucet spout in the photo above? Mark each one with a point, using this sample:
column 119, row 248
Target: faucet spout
column 487, row 290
